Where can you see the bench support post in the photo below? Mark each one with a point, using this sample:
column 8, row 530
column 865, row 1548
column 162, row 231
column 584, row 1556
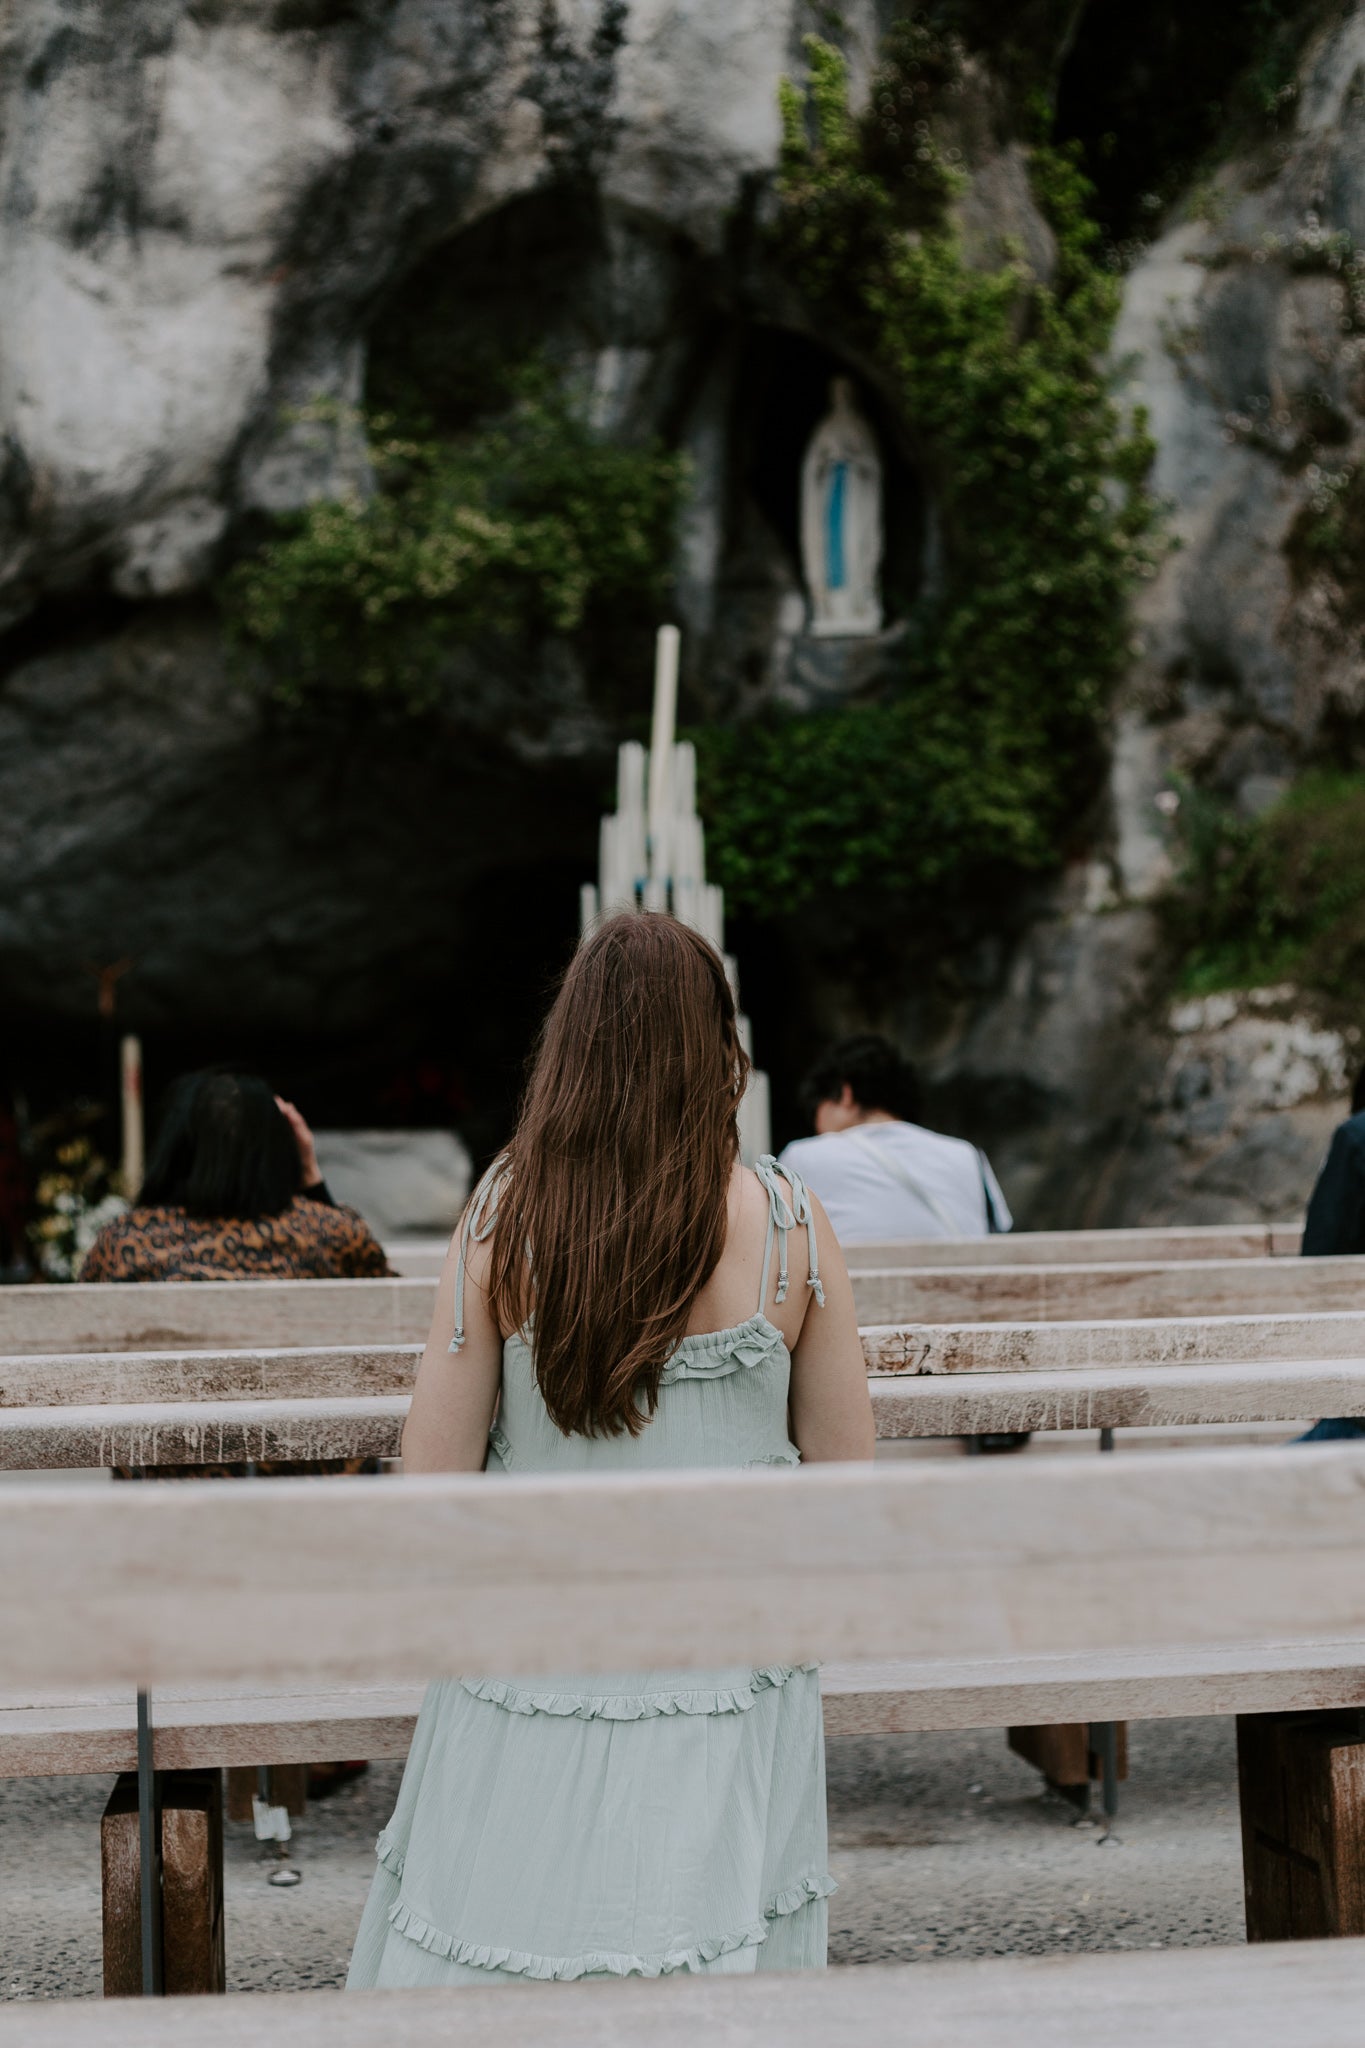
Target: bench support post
column 149, row 1850
column 1302, row 1784
column 1104, row 1747
column 1071, row 1754
column 186, row 1902
column 287, row 1786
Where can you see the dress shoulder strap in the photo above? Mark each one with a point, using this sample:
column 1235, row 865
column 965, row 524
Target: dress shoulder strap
column 788, row 1209
column 478, row 1224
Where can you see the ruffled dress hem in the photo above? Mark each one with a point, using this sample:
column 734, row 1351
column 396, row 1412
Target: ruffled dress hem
column 640, row 1706
column 515, row 1962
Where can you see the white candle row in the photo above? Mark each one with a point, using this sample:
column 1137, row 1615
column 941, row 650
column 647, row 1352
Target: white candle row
column 664, row 723
column 662, row 867
column 652, row 856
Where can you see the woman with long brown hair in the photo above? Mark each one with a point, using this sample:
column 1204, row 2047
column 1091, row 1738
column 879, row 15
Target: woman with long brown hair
column 624, row 1295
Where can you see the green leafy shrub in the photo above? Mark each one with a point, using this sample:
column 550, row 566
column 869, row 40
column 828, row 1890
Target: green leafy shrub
column 1328, row 537
column 1277, row 898
column 521, row 527
column 989, row 751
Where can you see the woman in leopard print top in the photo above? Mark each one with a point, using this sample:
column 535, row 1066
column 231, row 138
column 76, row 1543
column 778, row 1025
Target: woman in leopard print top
column 311, row 1239
column 232, row 1191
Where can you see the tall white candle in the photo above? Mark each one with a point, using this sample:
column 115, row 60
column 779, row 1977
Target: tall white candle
column 661, row 732
column 652, row 854
column 130, row 1065
column 713, row 915
column 631, row 842
column 685, row 778
column 630, row 778
column 612, row 896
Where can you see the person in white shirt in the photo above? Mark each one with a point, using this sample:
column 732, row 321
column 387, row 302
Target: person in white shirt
column 881, row 1175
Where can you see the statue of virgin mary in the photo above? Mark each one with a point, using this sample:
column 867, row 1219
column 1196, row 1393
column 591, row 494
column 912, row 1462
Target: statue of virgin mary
column 841, row 520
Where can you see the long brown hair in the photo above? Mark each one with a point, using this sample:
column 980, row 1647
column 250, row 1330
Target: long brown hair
column 612, row 1215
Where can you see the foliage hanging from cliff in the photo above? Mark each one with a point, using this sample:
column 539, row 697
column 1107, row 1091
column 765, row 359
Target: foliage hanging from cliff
column 1159, row 92
column 1327, row 538
column 525, row 525
column 1276, row 898
column 983, row 760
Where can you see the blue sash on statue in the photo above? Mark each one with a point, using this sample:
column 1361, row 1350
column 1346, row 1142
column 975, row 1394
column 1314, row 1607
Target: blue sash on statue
column 838, row 478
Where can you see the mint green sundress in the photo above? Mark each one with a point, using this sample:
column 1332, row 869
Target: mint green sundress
column 639, row 1822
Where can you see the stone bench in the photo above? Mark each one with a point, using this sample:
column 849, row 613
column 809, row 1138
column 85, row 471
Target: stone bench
column 906, row 1349
column 1265, row 1997
column 202, row 1407
column 422, row 1258
column 928, row 1348
column 69, row 1732
column 162, row 1316
column 1085, row 1247
column 198, row 1407
column 319, row 1402
column 192, row 1432
column 1080, row 1398
column 1094, row 1291
column 1219, row 1575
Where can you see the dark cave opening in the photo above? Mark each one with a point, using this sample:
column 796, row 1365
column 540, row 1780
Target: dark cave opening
column 446, row 344
column 1148, row 88
column 453, row 1055
column 553, row 273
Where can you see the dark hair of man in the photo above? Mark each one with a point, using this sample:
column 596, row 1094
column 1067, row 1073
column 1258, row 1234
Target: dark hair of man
column 222, row 1148
column 877, row 1074
column 1358, row 1094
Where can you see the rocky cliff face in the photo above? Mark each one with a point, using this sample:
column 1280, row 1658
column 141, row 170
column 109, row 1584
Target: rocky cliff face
column 1243, row 335
column 203, row 210
column 209, row 209
column 203, row 205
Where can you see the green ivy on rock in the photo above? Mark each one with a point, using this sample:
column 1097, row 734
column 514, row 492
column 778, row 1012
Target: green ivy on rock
column 520, row 527
column 981, row 763
column 1279, row 898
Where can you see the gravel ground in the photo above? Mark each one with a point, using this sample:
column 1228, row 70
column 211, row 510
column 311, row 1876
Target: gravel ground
column 942, row 1845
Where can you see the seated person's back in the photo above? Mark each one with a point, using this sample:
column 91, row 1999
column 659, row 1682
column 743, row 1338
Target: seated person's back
column 881, row 1175
column 1335, row 1228
column 232, row 1191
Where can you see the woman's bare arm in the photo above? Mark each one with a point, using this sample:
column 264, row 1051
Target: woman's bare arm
column 456, row 1392
column 831, row 1409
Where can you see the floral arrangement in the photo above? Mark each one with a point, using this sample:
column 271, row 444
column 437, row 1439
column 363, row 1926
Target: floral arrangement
column 74, row 1200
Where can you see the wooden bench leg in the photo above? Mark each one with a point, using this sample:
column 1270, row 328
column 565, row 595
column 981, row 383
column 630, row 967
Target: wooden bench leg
column 288, row 1788
column 120, row 1893
column 192, row 1931
column 1068, row 1756
column 192, row 1882
column 1302, row 1784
